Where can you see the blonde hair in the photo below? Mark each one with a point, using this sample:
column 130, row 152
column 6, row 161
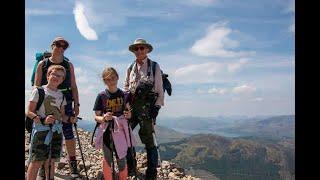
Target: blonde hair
column 57, row 68
column 108, row 71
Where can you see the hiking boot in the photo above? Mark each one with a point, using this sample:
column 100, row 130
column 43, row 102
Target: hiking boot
column 74, row 169
column 42, row 173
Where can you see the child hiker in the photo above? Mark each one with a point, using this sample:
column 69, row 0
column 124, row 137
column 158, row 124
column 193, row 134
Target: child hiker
column 46, row 140
column 113, row 136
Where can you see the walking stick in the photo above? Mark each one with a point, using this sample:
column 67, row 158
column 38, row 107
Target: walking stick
column 112, row 148
column 50, row 151
column 155, row 142
column 131, row 148
column 84, row 164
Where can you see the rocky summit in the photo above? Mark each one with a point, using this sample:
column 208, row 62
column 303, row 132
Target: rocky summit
column 93, row 157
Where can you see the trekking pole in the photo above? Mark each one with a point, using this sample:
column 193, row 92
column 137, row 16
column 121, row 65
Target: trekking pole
column 155, row 142
column 92, row 136
column 84, row 164
column 131, row 148
column 112, row 148
column 50, row 151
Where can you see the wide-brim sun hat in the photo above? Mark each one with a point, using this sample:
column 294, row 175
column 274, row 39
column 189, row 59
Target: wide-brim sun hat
column 140, row 41
column 60, row 38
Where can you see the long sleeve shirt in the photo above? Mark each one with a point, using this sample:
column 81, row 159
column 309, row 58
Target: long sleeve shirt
column 132, row 78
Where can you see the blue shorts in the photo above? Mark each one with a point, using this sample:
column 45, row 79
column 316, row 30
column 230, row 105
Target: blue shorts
column 67, row 131
column 67, row 127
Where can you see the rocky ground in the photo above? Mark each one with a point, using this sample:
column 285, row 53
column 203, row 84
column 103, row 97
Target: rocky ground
column 167, row 171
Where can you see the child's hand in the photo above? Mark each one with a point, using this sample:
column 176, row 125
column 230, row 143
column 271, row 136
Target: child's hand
column 49, row 119
column 107, row 116
column 127, row 114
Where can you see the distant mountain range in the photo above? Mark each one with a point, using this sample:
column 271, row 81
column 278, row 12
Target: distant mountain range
column 272, row 126
column 278, row 126
column 248, row 158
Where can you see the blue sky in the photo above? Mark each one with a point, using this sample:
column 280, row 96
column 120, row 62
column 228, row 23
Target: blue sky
column 223, row 57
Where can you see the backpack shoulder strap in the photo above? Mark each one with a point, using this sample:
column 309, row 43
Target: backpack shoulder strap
column 63, row 97
column 131, row 66
column 154, row 64
column 41, row 97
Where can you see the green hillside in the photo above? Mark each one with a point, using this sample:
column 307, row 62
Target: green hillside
column 234, row 158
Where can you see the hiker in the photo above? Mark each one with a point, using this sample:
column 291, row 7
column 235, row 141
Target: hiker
column 148, row 96
column 114, row 135
column 51, row 112
column 69, row 89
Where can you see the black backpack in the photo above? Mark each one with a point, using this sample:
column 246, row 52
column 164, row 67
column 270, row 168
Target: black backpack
column 165, row 81
column 28, row 121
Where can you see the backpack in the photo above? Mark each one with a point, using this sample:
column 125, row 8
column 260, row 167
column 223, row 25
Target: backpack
column 165, row 81
column 39, row 57
column 28, row 121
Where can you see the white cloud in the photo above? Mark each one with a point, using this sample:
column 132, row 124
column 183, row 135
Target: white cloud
column 208, row 72
column 233, row 67
column 205, row 69
column 204, row 3
column 217, row 91
column 200, row 91
column 243, row 89
column 216, row 43
column 257, row 99
column 82, row 22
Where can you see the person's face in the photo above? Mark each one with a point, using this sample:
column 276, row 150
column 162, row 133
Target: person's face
column 59, row 47
column 111, row 81
column 140, row 51
column 56, row 77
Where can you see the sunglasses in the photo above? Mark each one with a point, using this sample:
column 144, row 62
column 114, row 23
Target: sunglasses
column 57, row 75
column 137, row 48
column 58, row 45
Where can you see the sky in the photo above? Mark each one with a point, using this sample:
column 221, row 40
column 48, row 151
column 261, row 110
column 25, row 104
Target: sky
column 223, row 57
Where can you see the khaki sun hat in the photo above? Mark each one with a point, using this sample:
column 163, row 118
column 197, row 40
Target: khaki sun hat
column 140, row 41
column 60, row 38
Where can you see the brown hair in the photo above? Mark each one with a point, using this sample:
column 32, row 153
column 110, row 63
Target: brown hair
column 108, row 71
column 57, row 68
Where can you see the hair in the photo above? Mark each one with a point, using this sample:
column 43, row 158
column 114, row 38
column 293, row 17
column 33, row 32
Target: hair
column 57, row 68
column 108, row 71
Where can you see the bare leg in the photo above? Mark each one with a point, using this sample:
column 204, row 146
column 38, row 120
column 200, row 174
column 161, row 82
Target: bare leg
column 71, row 147
column 33, row 170
column 52, row 168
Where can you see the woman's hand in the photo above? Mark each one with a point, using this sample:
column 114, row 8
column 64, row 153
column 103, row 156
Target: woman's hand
column 73, row 119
